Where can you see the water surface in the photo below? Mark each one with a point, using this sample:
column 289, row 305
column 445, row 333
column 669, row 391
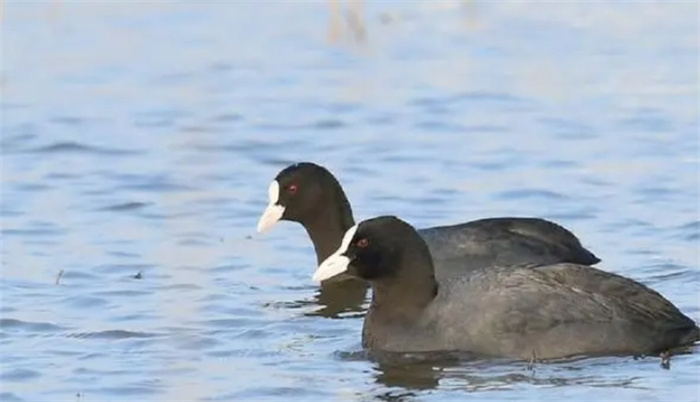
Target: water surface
column 138, row 141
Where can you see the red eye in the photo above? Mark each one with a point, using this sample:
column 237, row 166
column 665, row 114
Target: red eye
column 292, row 189
column 362, row 243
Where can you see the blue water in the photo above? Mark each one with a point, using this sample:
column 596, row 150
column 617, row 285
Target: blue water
column 138, row 141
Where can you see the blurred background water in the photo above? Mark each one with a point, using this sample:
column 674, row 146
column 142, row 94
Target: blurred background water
column 138, row 141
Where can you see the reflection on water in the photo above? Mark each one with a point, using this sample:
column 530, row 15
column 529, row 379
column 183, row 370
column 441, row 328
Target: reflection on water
column 412, row 373
column 334, row 300
column 405, row 375
column 341, row 297
column 408, row 378
column 415, row 372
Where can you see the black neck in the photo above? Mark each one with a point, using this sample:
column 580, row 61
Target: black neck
column 404, row 296
column 397, row 303
column 327, row 226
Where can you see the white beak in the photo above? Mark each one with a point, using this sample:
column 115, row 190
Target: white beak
column 332, row 266
column 336, row 263
column 273, row 212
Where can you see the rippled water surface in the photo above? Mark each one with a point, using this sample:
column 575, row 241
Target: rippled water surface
column 138, row 141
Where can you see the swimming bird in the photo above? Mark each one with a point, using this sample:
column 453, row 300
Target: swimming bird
column 309, row 194
column 523, row 311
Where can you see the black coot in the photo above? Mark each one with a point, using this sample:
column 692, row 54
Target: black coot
column 521, row 311
column 309, row 194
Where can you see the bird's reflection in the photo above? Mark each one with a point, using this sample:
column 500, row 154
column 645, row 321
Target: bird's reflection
column 343, row 297
column 412, row 372
column 402, row 376
column 337, row 299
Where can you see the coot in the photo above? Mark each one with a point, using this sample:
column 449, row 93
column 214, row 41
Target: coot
column 309, row 194
column 524, row 311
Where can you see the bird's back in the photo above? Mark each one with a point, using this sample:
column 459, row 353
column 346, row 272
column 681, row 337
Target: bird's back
column 502, row 241
column 556, row 311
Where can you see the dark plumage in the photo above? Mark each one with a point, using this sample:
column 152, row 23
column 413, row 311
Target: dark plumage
column 520, row 311
column 311, row 195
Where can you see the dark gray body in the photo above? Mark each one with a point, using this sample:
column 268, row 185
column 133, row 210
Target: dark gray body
column 527, row 311
column 458, row 249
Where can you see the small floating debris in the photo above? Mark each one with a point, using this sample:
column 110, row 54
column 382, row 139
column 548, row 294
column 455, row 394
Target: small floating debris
column 58, row 277
column 665, row 360
column 532, row 362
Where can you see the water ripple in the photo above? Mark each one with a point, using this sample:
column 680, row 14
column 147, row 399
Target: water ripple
column 68, row 120
column 16, row 375
column 165, row 118
column 227, row 117
column 125, row 206
column 10, row 397
column 129, row 390
column 524, row 194
column 9, row 324
column 329, row 124
column 86, row 302
column 113, row 334
column 689, row 231
column 71, row 147
column 441, row 126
